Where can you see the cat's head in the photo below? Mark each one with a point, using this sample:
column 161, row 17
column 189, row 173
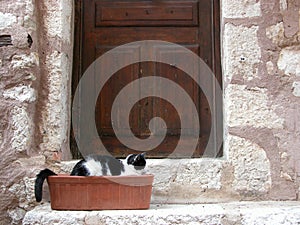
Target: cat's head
column 137, row 160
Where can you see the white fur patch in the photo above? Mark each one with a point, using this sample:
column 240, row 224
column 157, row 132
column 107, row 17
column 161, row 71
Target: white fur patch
column 95, row 168
column 129, row 170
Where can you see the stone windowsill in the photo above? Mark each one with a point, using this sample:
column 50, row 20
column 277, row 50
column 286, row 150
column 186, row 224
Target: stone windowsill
column 224, row 213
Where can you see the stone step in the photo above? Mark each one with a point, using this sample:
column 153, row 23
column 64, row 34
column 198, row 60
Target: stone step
column 223, row 213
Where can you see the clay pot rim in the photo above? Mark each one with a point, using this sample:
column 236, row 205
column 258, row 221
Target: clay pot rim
column 131, row 180
column 85, row 177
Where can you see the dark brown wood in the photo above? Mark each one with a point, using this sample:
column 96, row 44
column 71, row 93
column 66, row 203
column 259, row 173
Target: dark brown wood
column 217, row 66
column 77, row 67
column 103, row 25
column 146, row 13
column 5, row 40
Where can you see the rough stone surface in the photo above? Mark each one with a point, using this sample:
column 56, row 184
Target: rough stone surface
column 246, row 213
column 249, row 107
column 291, row 20
column 270, row 67
column 55, row 125
column 20, row 93
column 289, row 59
column 21, row 125
column 23, row 91
column 251, row 167
column 241, row 52
column 260, row 106
column 24, row 192
column 24, row 61
column 296, row 88
column 283, row 5
column 17, row 215
column 187, row 180
column 241, row 9
column 7, row 19
column 20, row 41
column 276, row 33
column 58, row 19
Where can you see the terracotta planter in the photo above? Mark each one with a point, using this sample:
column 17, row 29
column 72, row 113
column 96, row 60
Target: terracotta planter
column 98, row 193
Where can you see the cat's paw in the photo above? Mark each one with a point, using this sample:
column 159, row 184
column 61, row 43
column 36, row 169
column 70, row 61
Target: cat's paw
column 144, row 171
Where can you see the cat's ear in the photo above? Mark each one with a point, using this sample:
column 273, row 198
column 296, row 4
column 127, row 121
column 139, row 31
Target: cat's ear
column 140, row 157
column 143, row 154
column 130, row 159
column 136, row 159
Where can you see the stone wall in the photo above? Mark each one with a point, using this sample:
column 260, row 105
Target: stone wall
column 261, row 76
column 35, row 65
column 261, row 41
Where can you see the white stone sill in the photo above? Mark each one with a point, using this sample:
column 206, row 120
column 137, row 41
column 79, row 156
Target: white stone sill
column 67, row 166
column 224, row 213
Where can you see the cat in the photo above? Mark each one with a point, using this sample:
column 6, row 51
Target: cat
column 97, row 165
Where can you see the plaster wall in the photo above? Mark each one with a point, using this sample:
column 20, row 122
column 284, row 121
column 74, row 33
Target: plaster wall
column 261, row 77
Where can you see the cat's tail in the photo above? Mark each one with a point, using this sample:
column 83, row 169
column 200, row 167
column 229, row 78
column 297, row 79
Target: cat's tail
column 38, row 187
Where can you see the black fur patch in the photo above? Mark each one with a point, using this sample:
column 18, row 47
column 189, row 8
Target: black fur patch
column 38, row 187
column 79, row 169
column 109, row 163
column 137, row 160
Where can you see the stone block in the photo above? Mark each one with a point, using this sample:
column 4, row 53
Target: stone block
column 25, row 61
column 250, row 107
column 20, row 93
column 16, row 215
column 58, row 19
column 7, row 20
column 289, row 61
column 276, row 33
column 241, row 52
column 252, row 173
column 21, row 129
column 270, row 67
column 291, row 21
column 55, row 117
column 296, row 88
column 20, row 39
column 283, row 5
column 241, row 9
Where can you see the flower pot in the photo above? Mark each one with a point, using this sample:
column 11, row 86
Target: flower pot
column 100, row 192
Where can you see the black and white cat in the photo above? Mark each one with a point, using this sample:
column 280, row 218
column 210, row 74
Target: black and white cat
column 97, row 165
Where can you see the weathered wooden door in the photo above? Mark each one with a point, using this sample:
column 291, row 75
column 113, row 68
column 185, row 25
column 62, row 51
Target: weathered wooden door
column 106, row 24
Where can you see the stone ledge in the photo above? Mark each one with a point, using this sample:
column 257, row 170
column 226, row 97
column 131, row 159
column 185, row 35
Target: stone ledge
column 223, row 213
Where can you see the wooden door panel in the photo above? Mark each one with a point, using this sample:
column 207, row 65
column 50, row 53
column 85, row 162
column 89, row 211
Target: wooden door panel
column 129, row 13
column 184, row 81
column 122, row 35
column 191, row 23
column 111, row 89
